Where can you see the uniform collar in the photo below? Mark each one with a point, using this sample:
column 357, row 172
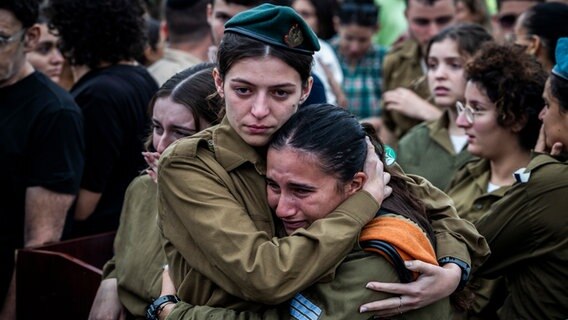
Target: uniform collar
column 480, row 170
column 439, row 131
column 541, row 159
column 231, row 151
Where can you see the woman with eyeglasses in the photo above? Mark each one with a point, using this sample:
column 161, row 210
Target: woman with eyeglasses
column 527, row 229
column 500, row 117
column 538, row 29
column 436, row 149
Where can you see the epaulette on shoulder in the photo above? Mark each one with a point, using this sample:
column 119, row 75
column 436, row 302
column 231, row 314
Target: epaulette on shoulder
column 522, row 175
column 189, row 147
column 547, row 166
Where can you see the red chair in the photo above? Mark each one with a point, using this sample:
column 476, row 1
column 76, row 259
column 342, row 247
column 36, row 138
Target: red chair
column 60, row 280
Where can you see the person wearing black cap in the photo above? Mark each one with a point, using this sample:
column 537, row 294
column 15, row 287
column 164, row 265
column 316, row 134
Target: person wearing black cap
column 220, row 238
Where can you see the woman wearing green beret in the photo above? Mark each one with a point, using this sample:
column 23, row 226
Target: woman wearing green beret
column 221, row 240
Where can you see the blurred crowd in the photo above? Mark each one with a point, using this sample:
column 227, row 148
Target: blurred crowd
column 464, row 101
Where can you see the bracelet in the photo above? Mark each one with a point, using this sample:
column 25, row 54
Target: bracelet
column 465, row 270
column 153, row 310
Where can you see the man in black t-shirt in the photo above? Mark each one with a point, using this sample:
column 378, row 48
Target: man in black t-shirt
column 41, row 147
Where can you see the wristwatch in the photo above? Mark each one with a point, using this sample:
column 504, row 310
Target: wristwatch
column 153, row 310
column 465, row 269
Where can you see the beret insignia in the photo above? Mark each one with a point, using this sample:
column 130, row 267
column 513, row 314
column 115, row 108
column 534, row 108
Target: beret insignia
column 294, row 37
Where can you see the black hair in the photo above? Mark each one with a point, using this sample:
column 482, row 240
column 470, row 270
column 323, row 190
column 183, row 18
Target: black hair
column 186, row 20
column 235, row 47
column 359, row 12
column 325, row 11
column 427, row 2
column 153, row 8
column 559, row 90
column 514, row 81
column 467, row 36
column 25, row 11
column 152, row 32
column 548, row 21
column 98, row 31
column 500, row 2
column 246, row 3
column 337, row 139
column 195, row 89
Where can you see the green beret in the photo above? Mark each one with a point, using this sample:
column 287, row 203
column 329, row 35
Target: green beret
column 277, row 26
column 561, row 67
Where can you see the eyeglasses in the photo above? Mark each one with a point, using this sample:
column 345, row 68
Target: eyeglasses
column 4, row 40
column 468, row 111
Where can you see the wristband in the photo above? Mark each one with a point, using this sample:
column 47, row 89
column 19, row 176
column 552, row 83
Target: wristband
column 153, row 310
column 465, row 270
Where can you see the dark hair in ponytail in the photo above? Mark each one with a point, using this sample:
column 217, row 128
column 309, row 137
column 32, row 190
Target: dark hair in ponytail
column 337, row 139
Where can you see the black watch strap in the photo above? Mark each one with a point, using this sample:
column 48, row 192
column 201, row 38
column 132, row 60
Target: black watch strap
column 464, row 266
column 153, row 310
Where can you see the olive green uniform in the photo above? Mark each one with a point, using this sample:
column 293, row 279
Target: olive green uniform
column 138, row 254
column 468, row 189
column 222, row 244
column 426, row 150
column 338, row 299
column 402, row 68
column 527, row 232
column 469, row 192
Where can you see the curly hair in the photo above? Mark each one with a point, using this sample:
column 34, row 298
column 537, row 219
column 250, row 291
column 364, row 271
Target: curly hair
column 98, row 31
column 514, row 81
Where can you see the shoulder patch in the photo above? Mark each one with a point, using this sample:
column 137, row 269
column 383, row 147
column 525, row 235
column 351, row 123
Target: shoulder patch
column 301, row 308
column 522, row 175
